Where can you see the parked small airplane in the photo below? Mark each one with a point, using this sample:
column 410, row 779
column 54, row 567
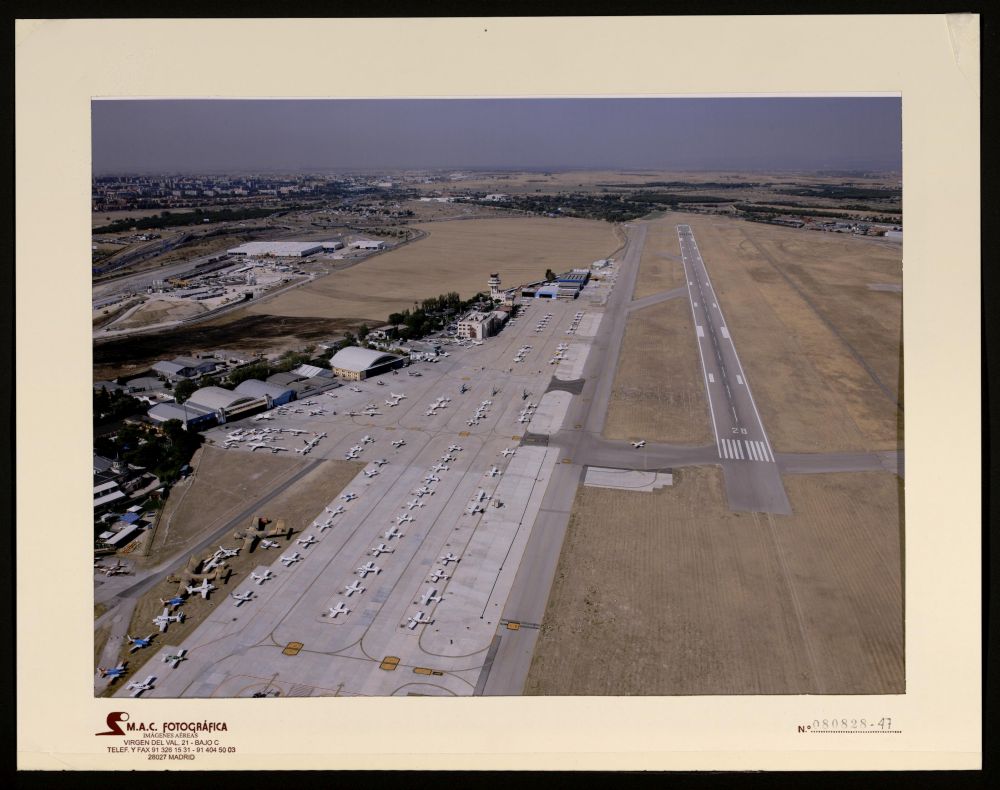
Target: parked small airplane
column 291, row 558
column 355, row 587
column 138, row 688
column 355, row 389
column 139, row 641
column 413, row 503
column 430, row 596
column 349, row 496
column 227, row 552
column 449, row 557
column 463, row 389
column 174, row 602
column 165, row 619
column 473, row 508
column 242, row 598
column 203, row 589
column 380, row 462
column 307, row 541
column 369, row 472
column 640, row 443
column 418, row 619
column 114, row 570
column 400, row 396
column 367, row 568
column 399, row 443
column 262, row 577
column 391, row 533
column 113, row 672
column 328, row 524
column 269, row 544
column 381, row 549
column 336, row 511
column 340, row 608
column 439, row 468
column 175, row 658
column 432, row 479
column 366, row 439
column 508, row 451
column 454, row 448
column 404, row 519
column 492, row 473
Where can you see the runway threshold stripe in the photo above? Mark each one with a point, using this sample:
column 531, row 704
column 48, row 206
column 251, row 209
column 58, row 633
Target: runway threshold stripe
column 752, row 450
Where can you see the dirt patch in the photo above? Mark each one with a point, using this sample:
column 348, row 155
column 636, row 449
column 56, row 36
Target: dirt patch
column 659, row 390
column 670, row 593
column 454, row 256
column 254, row 333
column 660, row 268
column 156, row 311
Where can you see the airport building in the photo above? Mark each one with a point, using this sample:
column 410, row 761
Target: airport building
column 280, row 249
column 184, row 367
column 226, row 404
column 191, row 415
column 480, row 325
column 355, row 363
column 367, row 244
column 273, row 394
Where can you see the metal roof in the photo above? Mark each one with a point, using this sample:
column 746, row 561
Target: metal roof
column 256, row 388
column 215, row 398
column 357, row 359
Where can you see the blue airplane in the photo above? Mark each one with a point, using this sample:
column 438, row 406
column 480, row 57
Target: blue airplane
column 114, row 672
column 139, row 641
column 174, row 602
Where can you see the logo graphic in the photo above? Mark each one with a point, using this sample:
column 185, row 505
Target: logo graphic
column 113, row 718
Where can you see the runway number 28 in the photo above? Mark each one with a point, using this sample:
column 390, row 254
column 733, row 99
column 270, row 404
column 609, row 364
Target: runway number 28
column 739, row 430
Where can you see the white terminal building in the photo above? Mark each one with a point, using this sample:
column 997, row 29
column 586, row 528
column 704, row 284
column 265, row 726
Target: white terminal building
column 479, row 325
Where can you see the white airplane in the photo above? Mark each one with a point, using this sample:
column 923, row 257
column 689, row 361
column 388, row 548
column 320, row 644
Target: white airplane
column 400, row 396
column 138, row 688
column 138, row 642
column 336, row 511
column 175, row 658
column 294, row 431
column 492, row 473
column 422, row 490
column 369, row 473
column 432, row 479
column 259, row 446
column 486, row 403
column 114, row 570
column 391, row 533
column 355, row 389
column 381, row 549
column 418, row 619
column 269, row 544
column 317, row 412
column 470, row 423
column 291, row 558
column 399, row 443
column 242, row 598
column 228, row 552
column 340, row 608
column 356, row 587
column 439, row 468
column 204, row 588
column 165, row 619
column 367, row 568
column 413, row 503
column 260, row 578
column 371, row 413
column 366, row 439
column 391, row 403
column 307, row 541
column 349, row 496
column 308, row 403
column 473, row 508
column 640, row 443
column 480, row 496
column 508, row 451
column 261, row 417
column 449, row 557
column 403, row 519
column 429, row 413
column 429, row 596
column 353, row 414
column 351, row 455
column 380, row 383
column 454, row 448
column 380, row 462
column 328, row 524
column 477, row 342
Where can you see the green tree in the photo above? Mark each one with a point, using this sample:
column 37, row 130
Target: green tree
column 550, row 275
column 184, row 390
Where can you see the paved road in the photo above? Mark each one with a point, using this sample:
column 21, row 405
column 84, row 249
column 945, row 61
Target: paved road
column 663, row 296
column 753, row 481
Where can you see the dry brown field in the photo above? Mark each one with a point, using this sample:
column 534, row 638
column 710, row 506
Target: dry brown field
column 670, row 593
column 659, row 391
column 454, row 256
column 660, row 268
column 220, row 479
column 813, row 393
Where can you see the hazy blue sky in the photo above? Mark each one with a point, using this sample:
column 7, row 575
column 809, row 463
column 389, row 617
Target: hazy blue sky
column 682, row 134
